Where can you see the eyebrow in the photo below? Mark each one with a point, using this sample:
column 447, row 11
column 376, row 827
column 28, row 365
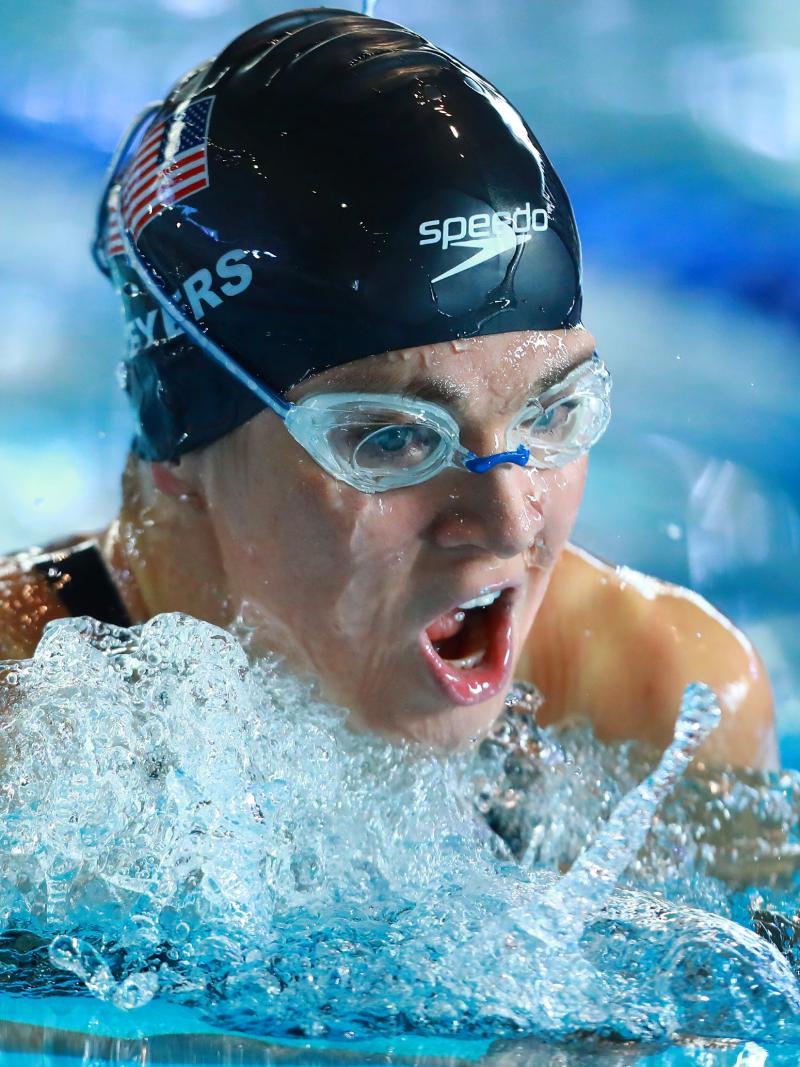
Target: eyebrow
column 439, row 390
column 443, row 391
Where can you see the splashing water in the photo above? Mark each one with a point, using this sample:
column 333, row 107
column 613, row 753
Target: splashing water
column 179, row 822
column 595, row 873
column 368, row 7
column 562, row 911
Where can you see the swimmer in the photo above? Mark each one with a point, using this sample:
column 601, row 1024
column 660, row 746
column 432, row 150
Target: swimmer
column 365, row 402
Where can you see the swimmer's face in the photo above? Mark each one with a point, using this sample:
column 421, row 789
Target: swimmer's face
column 362, row 589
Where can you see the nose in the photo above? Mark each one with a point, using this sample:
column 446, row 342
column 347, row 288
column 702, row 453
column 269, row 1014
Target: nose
column 499, row 512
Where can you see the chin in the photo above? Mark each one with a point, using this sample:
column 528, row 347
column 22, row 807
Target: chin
column 447, row 728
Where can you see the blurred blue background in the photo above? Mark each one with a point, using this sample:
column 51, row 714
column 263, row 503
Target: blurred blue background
column 676, row 130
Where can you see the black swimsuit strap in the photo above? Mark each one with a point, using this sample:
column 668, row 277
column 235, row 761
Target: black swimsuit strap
column 84, row 586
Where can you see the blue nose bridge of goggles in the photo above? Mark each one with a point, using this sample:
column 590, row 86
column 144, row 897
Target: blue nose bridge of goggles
column 482, row 464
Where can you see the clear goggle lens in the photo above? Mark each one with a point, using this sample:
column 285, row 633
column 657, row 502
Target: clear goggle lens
column 377, row 442
column 374, row 442
column 386, row 443
column 567, row 421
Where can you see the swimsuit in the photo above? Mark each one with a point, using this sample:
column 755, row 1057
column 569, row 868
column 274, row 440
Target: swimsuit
column 82, row 582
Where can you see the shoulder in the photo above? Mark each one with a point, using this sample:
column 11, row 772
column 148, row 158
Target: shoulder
column 628, row 645
column 27, row 604
column 690, row 640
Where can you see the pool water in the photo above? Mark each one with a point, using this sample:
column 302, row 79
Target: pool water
column 199, row 845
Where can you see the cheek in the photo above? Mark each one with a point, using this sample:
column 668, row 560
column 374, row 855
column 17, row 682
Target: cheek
column 559, row 493
column 385, row 530
column 296, row 520
column 572, row 484
column 371, row 585
column 299, row 532
column 556, row 495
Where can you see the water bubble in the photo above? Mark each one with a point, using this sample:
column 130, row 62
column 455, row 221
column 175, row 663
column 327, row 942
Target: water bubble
column 700, row 713
column 135, row 991
column 599, row 868
column 83, row 960
column 206, row 827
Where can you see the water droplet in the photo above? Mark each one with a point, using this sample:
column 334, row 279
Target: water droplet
column 135, row 991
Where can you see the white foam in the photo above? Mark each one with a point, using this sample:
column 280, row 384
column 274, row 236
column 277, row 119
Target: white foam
column 177, row 820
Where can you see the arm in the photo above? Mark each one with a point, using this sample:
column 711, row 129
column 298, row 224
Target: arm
column 27, row 604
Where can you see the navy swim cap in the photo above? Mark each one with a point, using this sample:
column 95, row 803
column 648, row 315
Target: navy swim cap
column 331, row 186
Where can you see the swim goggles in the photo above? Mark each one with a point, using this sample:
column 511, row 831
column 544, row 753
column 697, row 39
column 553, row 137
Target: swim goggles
column 377, row 442
column 373, row 441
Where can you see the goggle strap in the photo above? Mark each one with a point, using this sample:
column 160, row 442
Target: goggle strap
column 274, row 401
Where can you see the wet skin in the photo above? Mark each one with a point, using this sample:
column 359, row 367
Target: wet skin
column 344, row 583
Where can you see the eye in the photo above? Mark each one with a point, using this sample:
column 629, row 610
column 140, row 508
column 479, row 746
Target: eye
column 399, row 444
column 564, row 430
column 555, row 418
column 557, row 422
column 393, row 438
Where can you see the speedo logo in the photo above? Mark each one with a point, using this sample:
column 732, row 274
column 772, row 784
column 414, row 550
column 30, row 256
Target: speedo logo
column 491, row 234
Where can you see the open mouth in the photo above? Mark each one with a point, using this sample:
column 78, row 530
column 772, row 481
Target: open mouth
column 469, row 648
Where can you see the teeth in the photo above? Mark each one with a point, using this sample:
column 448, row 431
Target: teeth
column 480, row 601
column 469, row 661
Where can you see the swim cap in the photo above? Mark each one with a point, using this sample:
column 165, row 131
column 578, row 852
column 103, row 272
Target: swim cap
column 330, row 187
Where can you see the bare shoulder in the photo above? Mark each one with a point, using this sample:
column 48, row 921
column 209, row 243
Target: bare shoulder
column 619, row 647
column 27, row 604
column 690, row 640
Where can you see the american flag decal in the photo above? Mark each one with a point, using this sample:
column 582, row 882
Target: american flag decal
column 170, row 164
column 114, row 245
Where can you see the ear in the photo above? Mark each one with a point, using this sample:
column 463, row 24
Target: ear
column 167, row 478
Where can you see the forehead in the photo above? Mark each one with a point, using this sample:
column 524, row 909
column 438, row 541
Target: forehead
column 504, row 365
